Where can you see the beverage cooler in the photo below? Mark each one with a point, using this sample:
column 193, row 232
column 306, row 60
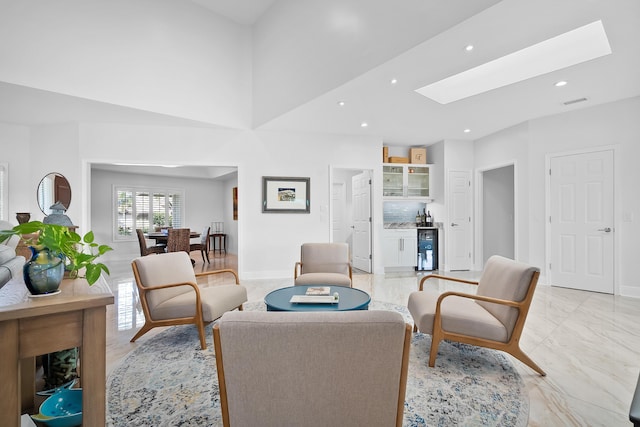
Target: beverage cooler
column 427, row 249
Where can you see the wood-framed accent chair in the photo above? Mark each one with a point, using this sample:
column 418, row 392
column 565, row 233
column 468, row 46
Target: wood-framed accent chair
column 493, row 317
column 323, row 264
column 148, row 250
column 170, row 295
column 203, row 246
column 312, row 369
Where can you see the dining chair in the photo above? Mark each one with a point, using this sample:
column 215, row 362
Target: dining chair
column 203, row 246
column 492, row 317
column 178, row 240
column 148, row 250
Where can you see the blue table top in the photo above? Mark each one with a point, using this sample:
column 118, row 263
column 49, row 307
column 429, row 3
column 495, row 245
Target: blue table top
column 350, row 299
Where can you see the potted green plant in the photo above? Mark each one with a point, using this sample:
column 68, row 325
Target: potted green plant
column 62, row 244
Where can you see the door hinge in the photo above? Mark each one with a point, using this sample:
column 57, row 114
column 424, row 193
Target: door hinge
column 369, row 219
column 369, row 256
column 549, row 172
column 369, row 182
column 469, row 255
column 549, row 266
column 469, row 183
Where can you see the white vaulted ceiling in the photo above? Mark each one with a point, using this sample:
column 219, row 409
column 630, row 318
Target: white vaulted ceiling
column 309, row 55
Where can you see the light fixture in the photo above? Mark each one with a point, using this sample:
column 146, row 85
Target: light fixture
column 560, row 83
column 573, row 47
column 467, row 130
column 468, row 47
column 394, row 81
column 341, row 103
column 364, row 124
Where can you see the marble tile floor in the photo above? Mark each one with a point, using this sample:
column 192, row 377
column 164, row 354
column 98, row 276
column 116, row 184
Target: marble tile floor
column 588, row 343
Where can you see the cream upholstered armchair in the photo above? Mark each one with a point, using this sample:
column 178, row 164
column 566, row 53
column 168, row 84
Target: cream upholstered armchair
column 323, row 264
column 493, row 317
column 314, row 369
column 170, row 294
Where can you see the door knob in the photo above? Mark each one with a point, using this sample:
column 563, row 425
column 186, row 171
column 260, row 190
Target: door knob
column 606, row 229
column 453, row 224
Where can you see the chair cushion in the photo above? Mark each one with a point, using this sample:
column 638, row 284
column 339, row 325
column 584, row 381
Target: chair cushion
column 336, row 279
column 459, row 315
column 506, row 279
column 216, row 300
column 164, row 269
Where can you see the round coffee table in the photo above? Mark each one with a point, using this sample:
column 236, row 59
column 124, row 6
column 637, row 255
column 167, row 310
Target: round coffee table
column 350, row 299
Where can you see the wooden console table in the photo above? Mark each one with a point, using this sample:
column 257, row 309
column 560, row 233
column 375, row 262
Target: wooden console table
column 74, row 318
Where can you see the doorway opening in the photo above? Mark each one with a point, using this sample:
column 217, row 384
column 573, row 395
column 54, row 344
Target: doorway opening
column 498, row 213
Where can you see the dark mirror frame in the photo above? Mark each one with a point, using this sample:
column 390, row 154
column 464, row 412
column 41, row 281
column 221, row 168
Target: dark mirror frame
column 60, row 192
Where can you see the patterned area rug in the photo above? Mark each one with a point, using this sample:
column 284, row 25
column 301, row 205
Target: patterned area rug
column 170, row 381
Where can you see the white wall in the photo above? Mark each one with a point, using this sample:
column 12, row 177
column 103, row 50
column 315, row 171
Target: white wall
column 15, row 144
column 615, row 124
column 161, row 56
column 203, row 201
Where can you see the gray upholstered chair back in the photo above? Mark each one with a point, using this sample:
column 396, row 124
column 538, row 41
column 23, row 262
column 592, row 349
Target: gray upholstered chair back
column 312, row 369
column 164, row 269
column 324, row 258
column 505, row 279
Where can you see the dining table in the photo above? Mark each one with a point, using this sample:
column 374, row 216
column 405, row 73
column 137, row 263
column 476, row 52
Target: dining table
column 161, row 237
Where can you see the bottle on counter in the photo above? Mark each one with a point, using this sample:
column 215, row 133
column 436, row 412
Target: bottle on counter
column 423, row 219
column 429, row 220
column 418, row 219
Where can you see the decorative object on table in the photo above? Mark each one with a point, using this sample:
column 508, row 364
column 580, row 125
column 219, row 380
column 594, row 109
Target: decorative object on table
column 57, row 216
column 169, row 378
column 286, row 195
column 62, row 242
column 23, row 217
column 60, row 368
column 44, row 271
column 62, row 409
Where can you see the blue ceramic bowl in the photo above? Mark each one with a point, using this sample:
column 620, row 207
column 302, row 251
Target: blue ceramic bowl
column 61, row 409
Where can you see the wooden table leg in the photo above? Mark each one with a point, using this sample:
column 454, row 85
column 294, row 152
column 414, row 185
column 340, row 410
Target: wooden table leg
column 93, row 367
column 28, row 383
column 10, row 374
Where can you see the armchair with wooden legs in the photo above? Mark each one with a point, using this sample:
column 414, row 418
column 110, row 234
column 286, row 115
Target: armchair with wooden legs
column 170, row 295
column 494, row 317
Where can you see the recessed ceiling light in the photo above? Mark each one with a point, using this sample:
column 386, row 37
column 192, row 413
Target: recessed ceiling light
column 341, row 103
column 560, row 83
column 468, row 47
column 467, row 130
column 364, row 124
column 573, row 47
column 394, row 81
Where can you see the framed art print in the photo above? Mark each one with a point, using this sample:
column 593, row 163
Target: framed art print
column 285, row 194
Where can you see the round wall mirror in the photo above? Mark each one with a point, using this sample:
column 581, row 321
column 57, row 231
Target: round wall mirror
column 53, row 188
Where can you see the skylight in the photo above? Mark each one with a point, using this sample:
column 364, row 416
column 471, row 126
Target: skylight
column 571, row 48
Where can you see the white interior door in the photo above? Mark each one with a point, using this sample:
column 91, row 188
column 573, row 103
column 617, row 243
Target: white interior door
column 581, row 208
column 361, row 195
column 459, row 224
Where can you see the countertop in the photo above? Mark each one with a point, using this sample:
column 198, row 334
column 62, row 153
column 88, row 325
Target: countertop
column 409, row 225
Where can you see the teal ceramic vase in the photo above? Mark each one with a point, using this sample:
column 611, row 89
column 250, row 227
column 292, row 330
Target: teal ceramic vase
column 43, row 272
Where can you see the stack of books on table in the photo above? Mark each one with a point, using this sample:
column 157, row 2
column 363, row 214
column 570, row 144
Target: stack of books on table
column 315, row 295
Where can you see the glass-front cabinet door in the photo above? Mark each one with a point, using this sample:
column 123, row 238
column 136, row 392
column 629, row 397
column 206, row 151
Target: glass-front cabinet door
column 405, row 181
column 393, row 181
column 417, row 181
